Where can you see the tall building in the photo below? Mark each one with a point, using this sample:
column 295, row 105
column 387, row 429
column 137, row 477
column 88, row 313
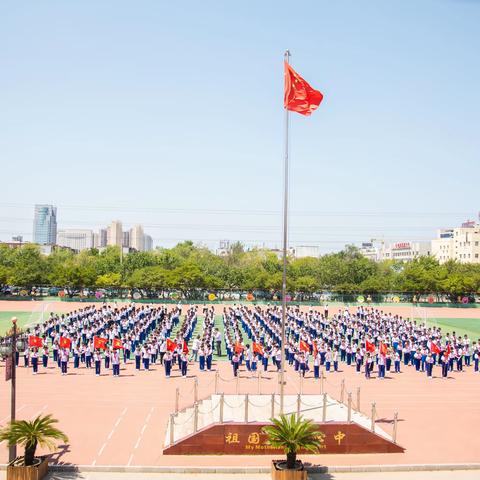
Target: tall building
column 115, row 233
column 103, row 237
column 137, row 238
column 45, row 225
column 369, row 250
column 126, row 239
column 443, row 245
column 148, row 243
column 405, row 251
column 75, row 239
column 461, row 244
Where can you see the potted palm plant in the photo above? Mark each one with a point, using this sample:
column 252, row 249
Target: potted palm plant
column 292, row 433
column 29, row 434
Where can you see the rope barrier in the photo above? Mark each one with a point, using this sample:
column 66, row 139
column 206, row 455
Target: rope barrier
column 186, row 421
column 259, row 406
column 210, row 411
column 234, row 406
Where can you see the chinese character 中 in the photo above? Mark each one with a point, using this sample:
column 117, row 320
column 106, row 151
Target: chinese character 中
column 339, row 436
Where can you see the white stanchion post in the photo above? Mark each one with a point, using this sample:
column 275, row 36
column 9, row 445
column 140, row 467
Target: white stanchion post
column 322, row 386
column 299, row 404
column 324, row 410
column 246, row 408
column 273, row 406
column 342, row 391
column 172, row 429
column 395, row 425
column 373, row 417
column 195, row 418
column 217, row 374
column 222, row 401
column 358, row 399
column 349, row 410
column 301, row 385
column 177, row 400
column 195, row 389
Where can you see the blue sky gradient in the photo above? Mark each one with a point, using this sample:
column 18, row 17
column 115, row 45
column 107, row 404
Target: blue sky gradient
column 170, row 114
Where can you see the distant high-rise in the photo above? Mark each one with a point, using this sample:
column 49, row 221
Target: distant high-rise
column 75, row 239
column 115, row 233
column 45, row 225
column 137, row 238
column 148, row 243
column 126, row 239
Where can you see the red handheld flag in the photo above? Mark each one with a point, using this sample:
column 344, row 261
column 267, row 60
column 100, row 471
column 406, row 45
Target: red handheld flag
column 34, row 341
column 315, row 349
column 64, row 342
column 185, row 347
column 238, row 348
column 117, row 344
column 171, row 346
column 304, row 346
column 299, row 96
column 369, row 347
column 99, row 342
column 449, row 349
column 383, row 349
column 257, row 348
column 434, row 348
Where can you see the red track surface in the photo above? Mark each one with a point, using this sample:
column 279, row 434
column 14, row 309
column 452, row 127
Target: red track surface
column 120, row 421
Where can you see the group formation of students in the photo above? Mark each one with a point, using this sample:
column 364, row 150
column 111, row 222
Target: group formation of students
column 362, row 339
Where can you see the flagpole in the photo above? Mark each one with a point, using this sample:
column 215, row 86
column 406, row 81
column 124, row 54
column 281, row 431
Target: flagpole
column 285, row 240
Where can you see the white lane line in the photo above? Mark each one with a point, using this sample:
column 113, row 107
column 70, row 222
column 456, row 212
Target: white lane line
column 16, row 411
column 110, row 435
column 138, row 443
column 139, row 439
column 130, row 460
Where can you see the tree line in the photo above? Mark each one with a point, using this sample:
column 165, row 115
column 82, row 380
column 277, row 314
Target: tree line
column 188, row 267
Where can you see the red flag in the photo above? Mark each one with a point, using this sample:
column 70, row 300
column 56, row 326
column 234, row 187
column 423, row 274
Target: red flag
column 304, row 347
column 99, row 342
column 185, row 347
column 64, row 342
column 34, row 341
column 434, row 348
column 449, row 349
column 299, row 96
column 117, row 344
column 383, row 349
column 257, row 348
column 369, row 347
column 238, row 348
column 315, row 349
column 171, row 346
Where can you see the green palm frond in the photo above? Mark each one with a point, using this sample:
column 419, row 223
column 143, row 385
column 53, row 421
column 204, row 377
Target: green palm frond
column 293, row 433
column 41, row 431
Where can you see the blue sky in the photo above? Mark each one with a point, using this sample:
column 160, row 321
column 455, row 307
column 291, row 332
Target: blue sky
column 170, row 114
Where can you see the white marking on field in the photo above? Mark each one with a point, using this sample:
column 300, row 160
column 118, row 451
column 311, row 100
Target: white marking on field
column 130, row 460
column 110, row 435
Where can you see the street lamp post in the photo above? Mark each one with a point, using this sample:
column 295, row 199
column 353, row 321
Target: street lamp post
column 12, row 453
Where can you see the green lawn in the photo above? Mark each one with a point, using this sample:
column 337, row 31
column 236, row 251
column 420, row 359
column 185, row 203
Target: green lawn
column 24, row 318
column 469, row 326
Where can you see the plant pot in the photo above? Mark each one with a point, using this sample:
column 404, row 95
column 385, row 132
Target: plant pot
column 279, row 473
column 17, row 471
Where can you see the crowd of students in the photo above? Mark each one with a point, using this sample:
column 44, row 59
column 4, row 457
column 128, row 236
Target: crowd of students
column 363, row 338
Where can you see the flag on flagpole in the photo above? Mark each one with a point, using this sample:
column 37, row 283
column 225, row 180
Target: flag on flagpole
column 171, row 346
column 238, row 348
column 257, row 348
column 34, row 341
column 99, row 342
column 383, row 349
column 185, row 347
column 299, row 96
column 304, row 346
column 434, row 348
column 369, row 347
column 117, row 344
column 64, row 342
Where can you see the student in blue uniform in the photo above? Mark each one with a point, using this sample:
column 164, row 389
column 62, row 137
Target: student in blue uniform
column 35, row 360
column 184, row 364
column 235, row 363
column 167, row 363
column 98, row 362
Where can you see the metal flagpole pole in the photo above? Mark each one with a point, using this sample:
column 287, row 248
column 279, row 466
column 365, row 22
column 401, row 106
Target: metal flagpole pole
column 285, row 240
